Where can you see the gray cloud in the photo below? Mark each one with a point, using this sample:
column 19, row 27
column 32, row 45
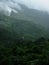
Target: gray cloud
column 6, row 6
column 36, row 4
column 42, row 5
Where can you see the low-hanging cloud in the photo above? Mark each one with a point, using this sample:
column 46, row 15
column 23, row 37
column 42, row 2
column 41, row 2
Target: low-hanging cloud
column 7, row 6
column 11, row 5
column 36, row 4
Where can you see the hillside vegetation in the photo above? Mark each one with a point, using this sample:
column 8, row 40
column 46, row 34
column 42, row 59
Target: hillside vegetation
column 23, row 42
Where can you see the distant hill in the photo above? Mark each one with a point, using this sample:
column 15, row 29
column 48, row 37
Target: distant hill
column 27, row 24
column 13, row 28
column 39, row 17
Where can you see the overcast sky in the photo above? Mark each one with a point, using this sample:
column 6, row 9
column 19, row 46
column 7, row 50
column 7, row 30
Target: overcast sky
column 34, row 4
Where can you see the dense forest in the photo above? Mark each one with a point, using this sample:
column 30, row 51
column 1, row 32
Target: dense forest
column 22, row 42
column 24, row 52
column 24, row 33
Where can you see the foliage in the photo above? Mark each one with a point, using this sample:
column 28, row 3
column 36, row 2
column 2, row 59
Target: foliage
column 22, row 42
column 24, row 52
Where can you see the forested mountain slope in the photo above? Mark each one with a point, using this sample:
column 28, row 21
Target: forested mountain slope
column 10, row 26
column 24, row 37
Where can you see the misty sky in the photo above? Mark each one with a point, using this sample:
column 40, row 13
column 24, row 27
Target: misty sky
column 34, row 4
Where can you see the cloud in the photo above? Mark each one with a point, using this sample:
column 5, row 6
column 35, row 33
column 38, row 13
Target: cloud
column 6, row 7
column 36, row 4
column 11, row 5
